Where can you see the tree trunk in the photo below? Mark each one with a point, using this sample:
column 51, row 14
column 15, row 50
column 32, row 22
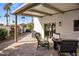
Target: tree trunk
column 7, row 20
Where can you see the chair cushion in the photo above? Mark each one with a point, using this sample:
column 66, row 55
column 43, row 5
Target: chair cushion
column 56, row 36
column 44, row 40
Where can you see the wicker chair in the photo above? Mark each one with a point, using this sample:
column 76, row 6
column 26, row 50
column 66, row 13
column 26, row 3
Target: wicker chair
column 68, row 46
column 41, row 42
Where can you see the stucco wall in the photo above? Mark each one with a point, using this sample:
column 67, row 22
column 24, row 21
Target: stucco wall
column 67, row 28
column 38, row 27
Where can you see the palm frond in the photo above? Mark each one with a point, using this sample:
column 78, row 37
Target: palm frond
column 7, row 6
column 6, row 15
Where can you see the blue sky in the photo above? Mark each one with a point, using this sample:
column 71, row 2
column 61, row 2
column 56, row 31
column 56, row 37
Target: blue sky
column 26, row 20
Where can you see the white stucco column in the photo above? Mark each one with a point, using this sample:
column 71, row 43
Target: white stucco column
column 37, row 26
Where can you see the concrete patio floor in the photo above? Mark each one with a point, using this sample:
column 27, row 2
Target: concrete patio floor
column 26, row 46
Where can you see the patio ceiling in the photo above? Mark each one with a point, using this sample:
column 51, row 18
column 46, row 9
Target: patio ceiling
column 43, row 9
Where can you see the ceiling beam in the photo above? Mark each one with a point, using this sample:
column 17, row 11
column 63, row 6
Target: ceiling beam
column 52, row 7
column 67, row 11
column 41, row 12
column 26, row 7
column 30, row 15
column 77, row 4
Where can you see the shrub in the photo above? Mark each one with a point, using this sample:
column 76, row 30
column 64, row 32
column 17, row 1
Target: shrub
column 3, row 34
column 12, row 30
column 30, row 26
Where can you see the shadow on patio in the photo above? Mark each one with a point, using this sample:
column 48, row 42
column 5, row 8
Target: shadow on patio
column 26, row 49
column 11, row 41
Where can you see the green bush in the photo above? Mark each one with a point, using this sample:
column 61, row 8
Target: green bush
column 30, row 26
column 3, row 34
column 12, row 30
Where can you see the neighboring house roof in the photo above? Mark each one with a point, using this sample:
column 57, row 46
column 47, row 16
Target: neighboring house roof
column 43, row 9
column 1, row 24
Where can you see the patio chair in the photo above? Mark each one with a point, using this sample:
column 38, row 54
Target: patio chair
column 68, row 46
column 41, row 42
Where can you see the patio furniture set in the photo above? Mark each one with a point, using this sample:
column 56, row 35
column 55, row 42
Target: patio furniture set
column 60, row 45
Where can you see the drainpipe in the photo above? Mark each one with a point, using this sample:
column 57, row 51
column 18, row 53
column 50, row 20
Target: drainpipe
column 15, row 36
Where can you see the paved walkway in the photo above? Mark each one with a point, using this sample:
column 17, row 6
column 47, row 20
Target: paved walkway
column 26, row 46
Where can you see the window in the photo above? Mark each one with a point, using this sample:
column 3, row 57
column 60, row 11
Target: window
column 76, row 25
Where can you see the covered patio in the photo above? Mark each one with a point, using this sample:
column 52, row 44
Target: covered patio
column 62, row 15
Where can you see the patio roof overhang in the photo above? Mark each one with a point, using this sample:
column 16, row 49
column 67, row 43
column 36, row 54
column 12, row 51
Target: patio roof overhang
column 44, row 9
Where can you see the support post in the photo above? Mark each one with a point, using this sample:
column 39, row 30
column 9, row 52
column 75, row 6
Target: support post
column 15, row 36
column 33, row 26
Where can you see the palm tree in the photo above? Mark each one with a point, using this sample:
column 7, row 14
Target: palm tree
column 7, row 9
column 7, row 17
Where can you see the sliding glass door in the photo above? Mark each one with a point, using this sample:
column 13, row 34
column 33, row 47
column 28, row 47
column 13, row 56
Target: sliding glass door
column 49, row 29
